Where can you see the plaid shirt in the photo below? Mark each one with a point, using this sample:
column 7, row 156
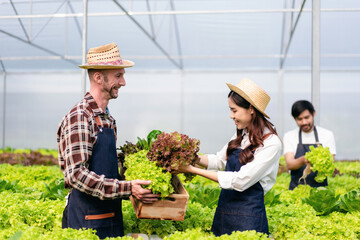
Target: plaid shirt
column 76, row 136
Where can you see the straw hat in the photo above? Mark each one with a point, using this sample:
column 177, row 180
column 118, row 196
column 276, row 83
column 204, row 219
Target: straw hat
column 252, row 93
column 105, row 57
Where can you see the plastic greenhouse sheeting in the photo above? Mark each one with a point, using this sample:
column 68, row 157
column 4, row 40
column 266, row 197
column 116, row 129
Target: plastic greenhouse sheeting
column 184, row 51
column 199, row 34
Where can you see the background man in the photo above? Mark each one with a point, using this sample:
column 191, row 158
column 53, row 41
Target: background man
column 298, row 141
column 87, row 151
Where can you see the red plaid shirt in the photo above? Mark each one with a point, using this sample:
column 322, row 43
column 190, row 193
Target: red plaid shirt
column 76, row 136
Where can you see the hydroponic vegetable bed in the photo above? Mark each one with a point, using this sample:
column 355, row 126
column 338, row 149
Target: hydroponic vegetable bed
column 32, row 201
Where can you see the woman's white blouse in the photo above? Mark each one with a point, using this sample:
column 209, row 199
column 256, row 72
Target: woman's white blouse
column 263, row 168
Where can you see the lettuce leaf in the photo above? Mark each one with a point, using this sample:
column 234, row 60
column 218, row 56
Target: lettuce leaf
column 323, row 200
column 321, row 161
column 350, row 202
column 172, row 150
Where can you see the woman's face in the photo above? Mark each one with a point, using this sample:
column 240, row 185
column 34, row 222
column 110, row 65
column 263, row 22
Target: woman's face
column 241, row 116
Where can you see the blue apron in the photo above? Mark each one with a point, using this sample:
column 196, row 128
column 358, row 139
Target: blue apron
column 240, row 211
column 297, row 174
column 86, row 211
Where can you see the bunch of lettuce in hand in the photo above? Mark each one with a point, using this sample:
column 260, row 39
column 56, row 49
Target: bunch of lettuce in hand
column 172, row 150
column 321, row 161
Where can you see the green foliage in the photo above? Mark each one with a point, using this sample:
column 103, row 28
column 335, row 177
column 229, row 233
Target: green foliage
column 323, row 200
column 55, row 190
column 348, row 167
column 344, row 183
column 138, row 166
column 6, row 185
column 350, row 202
column 126, row 149
column 206, row 195
column 321, row 161
column 29, row 157
column 25, row 232
column 151, row 137
column 25, row 214
column 197, row 216
column 161, row 228
column 272, row 198
column 282, row 161
column 197, row 234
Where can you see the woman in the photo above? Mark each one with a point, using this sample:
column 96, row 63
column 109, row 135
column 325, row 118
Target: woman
column 250, row 161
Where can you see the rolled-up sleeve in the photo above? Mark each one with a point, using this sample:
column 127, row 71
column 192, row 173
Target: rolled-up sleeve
column 75, row 148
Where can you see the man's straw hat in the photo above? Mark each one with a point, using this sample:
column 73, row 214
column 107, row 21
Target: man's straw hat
column 105, row 57
column 252, row 93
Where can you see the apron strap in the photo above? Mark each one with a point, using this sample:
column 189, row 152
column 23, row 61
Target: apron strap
column 315, row 134
column 98, row 123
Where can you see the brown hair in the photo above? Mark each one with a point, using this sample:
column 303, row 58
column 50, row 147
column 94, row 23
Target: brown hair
column 255, row 129
column 91, row 73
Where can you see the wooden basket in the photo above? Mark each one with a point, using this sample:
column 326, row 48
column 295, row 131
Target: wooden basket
column 172, row 207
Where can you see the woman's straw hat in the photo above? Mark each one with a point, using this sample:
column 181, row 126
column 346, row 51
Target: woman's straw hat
column 105, row 57
column 252, row 93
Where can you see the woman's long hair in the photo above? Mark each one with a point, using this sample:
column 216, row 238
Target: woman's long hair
column 255, row 130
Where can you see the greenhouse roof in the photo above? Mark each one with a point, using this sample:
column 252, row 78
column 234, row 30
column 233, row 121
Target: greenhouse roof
column 48, row 35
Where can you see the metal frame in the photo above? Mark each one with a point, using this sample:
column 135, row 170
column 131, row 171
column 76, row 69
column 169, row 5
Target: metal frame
column 198, row 12
column 315, row 73
column 171, row 58
column 178, row 60
column 84, row 47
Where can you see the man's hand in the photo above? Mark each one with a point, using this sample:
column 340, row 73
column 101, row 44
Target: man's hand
column 294, row 164
column 141, row 194
column 304, row 160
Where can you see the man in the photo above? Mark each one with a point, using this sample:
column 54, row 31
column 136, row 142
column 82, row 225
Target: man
column 87, row 151
column 298, row 141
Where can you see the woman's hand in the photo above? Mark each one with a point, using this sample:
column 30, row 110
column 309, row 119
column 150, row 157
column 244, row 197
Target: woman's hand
column 198, row 171
column 184, row 169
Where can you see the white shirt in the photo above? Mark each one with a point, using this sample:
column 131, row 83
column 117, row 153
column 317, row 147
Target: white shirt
column 263, row 168
column 326, row 138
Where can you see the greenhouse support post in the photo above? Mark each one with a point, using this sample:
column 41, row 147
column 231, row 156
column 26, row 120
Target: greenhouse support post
column 4, row 111
column 315, row 68
column 84, row 47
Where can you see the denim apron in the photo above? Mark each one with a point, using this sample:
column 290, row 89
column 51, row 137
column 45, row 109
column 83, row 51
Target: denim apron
column 240, row 211
column 297, row 174
column 86, row 211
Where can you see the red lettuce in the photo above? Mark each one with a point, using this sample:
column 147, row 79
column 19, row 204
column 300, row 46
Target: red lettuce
column 172, row 150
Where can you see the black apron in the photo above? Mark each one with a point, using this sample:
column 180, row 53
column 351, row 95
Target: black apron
column 240, row 211
column 86, row 211
column 297, row 174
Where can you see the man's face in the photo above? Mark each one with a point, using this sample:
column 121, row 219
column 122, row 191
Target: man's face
column 113, row 80
column 305, row 121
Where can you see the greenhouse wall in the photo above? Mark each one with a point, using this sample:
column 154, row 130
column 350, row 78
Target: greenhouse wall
column 191, row 102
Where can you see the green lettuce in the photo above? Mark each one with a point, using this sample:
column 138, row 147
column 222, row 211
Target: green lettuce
column 323, row 200
column 350, row 202
column 321, row 161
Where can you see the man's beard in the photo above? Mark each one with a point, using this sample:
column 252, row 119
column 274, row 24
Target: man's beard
column 307, row 127
column 110, row 91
